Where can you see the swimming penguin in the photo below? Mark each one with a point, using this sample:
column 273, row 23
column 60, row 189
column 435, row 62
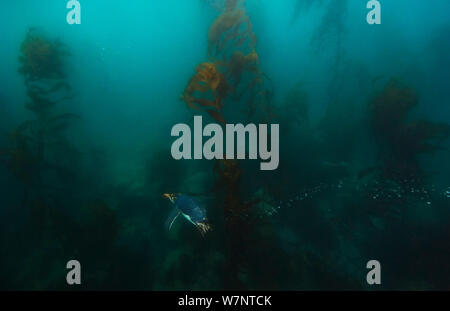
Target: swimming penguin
column 190, row 209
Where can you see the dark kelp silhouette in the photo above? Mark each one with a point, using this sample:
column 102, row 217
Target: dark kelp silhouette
column 41, row 58
column 38, row 145
column 332, row 26
column 401, row 141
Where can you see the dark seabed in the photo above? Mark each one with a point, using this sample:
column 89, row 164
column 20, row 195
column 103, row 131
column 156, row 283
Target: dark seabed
column 86, row 113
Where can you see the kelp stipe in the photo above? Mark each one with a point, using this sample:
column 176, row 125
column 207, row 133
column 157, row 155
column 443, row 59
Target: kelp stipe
column 39, row 151
column 231, row 85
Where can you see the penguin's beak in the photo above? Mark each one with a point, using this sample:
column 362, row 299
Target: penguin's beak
column 166, row 195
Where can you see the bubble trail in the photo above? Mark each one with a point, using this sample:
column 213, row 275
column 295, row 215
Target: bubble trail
column 381, row 191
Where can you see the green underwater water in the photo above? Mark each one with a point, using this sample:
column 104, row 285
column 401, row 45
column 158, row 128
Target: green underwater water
column 86, row 113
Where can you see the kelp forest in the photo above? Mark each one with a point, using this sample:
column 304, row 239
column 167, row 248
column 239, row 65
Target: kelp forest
column 86, row 170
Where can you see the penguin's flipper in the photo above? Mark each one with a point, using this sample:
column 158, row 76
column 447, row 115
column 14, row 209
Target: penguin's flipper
column 172, row 217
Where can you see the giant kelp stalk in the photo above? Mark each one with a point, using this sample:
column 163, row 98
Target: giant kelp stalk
column 232, row 73
column 42, row 159
column 228, row 177
column 39, row 148
column 332, row 27
column 231, row 85
column 329, row 37
column 401, row 141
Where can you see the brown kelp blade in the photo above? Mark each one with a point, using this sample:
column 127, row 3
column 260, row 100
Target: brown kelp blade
column 216, row 115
